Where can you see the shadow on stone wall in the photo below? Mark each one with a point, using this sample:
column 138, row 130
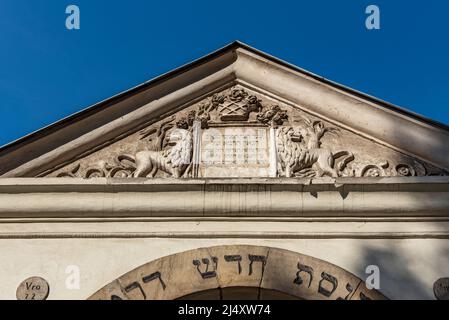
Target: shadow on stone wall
column 399, row 272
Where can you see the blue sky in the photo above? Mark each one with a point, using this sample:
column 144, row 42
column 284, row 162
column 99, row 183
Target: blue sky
column 49, row 72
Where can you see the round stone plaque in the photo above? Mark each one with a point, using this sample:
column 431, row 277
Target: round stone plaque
column 34, row 288
column 441, row 289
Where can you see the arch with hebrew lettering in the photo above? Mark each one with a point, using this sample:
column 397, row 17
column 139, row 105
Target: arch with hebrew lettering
column 234, row 271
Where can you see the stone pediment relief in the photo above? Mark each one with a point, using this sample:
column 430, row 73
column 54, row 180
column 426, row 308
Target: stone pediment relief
column 239, row 132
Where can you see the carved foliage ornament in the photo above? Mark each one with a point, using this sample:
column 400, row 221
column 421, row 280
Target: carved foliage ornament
column 301, row 150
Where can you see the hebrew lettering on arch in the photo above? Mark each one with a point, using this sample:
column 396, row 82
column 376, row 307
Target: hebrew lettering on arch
column 136, row 286
column 206, row 274
column 326, row 277
column 233, row 258
column 154, row 276
column 306, row 269
column 116, row 292
column 363, row 296
column 253, row 258
column 350, row 289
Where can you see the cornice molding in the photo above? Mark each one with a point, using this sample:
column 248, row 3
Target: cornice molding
column 325, row 197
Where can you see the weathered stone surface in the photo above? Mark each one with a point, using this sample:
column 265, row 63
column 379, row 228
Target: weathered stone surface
column 188, row 271
column 144, row 283
column 306, row 277
column 236, row 151
column 240, row 266
column 112, row 292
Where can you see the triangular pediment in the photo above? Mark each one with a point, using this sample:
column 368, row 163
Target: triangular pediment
column 241, row 132
column 236, row 113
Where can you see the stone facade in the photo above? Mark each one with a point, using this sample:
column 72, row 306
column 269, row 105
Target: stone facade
column 238, row 176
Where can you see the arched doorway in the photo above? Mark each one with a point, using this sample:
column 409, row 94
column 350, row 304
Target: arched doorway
column 237, row 272
column 239, row 293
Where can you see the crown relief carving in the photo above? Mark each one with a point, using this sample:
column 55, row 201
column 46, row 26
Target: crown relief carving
column 238, row 105
column 169, row 146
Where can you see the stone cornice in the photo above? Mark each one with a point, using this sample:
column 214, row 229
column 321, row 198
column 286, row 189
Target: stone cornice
column 326, row 197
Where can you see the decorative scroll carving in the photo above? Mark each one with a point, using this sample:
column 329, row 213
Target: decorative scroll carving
column 175, row 161
column 123, row 167
column 300, row 152
column 386, row 169
column 373, row 170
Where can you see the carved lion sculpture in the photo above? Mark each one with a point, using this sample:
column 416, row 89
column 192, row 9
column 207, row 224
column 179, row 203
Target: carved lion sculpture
column 300, row 153
column 175, row 161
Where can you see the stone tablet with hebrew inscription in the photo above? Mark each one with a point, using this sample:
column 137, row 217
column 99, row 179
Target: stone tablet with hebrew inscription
column 236, row 151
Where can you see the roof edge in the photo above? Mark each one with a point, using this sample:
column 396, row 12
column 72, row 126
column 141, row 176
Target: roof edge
column 116, row 98
column 229, row 47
